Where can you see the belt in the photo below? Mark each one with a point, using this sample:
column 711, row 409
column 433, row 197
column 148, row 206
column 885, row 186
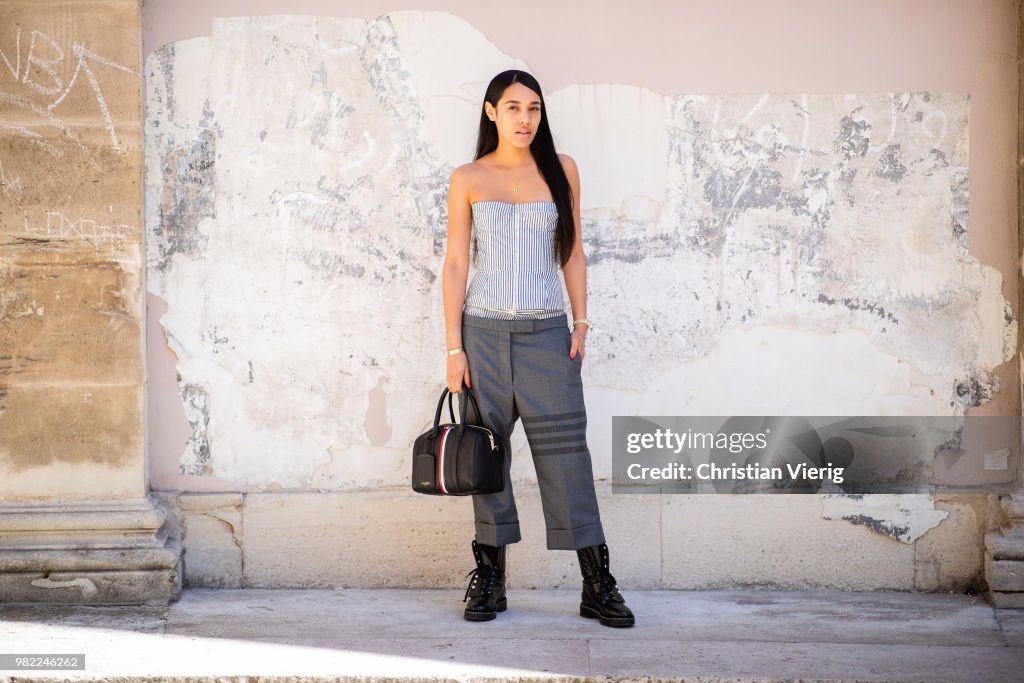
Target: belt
column 522, row 325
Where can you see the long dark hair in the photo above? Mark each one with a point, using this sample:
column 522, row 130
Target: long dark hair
column 543, row 150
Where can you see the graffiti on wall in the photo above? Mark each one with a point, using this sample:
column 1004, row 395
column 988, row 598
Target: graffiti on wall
column 57, row 93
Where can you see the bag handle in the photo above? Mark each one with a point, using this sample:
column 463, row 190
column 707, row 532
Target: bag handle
column 451, row 410
column 440, row 405
column 465, row 404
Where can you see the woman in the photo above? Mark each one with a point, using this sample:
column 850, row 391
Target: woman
column 519, row 200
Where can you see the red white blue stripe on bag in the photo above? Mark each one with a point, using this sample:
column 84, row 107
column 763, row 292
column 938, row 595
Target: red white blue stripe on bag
column 440, row 459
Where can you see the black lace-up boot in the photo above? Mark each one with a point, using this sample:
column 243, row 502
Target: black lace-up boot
column 601, row 599
column 486, row 591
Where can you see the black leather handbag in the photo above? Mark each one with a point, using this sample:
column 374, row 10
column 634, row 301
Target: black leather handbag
column 458, row 459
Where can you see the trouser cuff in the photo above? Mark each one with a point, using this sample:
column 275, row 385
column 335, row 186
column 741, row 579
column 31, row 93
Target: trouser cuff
column 497, row 534
column 574, row 539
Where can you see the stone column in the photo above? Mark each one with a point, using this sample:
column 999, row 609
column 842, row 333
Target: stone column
column 77, row 523
column 1004, row 555
column 1004, row 547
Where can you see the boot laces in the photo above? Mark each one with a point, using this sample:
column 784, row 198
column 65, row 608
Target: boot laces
column 486, row 577
column 607, row 587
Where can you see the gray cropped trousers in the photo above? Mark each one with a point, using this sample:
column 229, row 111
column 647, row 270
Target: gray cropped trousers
column 520, row 369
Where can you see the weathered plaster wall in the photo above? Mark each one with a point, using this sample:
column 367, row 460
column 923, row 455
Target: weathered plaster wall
column 741, row 245
column 621, row 58
column 71, row 256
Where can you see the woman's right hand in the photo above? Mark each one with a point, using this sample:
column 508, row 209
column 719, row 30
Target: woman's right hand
column 458, row 371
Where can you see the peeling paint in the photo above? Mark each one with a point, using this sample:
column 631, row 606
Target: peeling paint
column 853, row 138
column 196, row 400
column 861, row 305
column 975, row 390
column 958, row 211
column 304, row 211
column 187, row 199
column 904, row 517
column 889, row 165
column 378, row 431
column 279, row 228
column 886, row 527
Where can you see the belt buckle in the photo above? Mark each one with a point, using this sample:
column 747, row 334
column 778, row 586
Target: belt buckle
column 511, row 311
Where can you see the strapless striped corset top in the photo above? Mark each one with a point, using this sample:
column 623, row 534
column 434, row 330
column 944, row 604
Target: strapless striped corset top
column 517, row 273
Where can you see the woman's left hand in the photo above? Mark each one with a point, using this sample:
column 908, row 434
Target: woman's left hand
column 578, row 343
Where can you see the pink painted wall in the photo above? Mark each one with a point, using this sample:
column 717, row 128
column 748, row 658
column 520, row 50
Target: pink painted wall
column 701, row 46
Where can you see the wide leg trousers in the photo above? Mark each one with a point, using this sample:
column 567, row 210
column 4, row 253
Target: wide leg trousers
column 520, row 369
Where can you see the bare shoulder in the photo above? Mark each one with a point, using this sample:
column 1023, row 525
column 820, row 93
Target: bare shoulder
column 572, row 172
column 463, row 174
column 462, row 181
column 469, row 175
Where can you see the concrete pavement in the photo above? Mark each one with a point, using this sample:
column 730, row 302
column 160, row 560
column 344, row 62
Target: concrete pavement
column 420, row 635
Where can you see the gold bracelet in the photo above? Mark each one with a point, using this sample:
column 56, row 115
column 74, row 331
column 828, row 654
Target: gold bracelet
column 581, row 320
column 452, row 352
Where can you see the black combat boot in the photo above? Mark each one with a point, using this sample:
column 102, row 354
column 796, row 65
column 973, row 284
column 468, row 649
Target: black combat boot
column 601, row 599
column 487, row 589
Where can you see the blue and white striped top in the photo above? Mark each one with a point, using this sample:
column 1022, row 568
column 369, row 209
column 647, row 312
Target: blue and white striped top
column 517, row 273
